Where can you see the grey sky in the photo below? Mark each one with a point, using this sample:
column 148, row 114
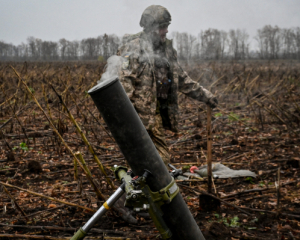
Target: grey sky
column 78, row 19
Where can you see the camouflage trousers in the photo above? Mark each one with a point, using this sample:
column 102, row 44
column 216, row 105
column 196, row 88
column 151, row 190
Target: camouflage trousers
column 158, row 138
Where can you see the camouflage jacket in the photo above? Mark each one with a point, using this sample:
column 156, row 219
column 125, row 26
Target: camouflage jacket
column 137, row 78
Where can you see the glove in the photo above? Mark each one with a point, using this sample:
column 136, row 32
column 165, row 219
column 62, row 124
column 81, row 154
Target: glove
column 212, row 102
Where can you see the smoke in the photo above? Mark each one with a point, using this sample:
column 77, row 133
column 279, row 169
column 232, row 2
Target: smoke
column 112, row 68
column 207, row 77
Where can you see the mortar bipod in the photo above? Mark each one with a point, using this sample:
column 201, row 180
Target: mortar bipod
column 82, row 232
column 139, row 197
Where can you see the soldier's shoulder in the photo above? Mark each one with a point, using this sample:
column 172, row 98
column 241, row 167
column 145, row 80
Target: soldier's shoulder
column 130, row 43
column 132, row 37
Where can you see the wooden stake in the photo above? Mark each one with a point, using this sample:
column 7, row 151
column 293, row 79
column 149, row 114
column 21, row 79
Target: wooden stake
column 75, row 170
column 209, row 150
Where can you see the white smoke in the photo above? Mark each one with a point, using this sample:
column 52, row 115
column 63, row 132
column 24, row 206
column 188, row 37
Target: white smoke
column 112, row 68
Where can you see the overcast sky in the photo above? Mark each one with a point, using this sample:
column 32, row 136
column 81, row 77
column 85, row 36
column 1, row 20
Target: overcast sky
column 78, row 19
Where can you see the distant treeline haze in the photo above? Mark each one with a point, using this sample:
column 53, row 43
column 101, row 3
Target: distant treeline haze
column 212, row 44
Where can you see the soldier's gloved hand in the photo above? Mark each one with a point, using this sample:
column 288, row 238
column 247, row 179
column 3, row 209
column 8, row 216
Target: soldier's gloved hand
column 212, row 102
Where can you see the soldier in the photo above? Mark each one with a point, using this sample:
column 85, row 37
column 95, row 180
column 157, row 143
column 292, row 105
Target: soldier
column 152, row 77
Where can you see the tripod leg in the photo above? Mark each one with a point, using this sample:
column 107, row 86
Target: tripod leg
column 81, row 233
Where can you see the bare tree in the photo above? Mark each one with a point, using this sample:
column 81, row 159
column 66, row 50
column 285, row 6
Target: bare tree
column 269, row 39
column 63, row 44
column 72, row 51
column 239, row 46
column 180, row 44
column 297, row 40
column 113, row 44
column 31, row 47
column 260, row 39
column 23, row 51
column 49, row 51
column 105, row 47
column 89, row 48
column 213, row 43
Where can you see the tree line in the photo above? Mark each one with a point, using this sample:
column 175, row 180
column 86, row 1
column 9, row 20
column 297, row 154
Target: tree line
column 212, row 44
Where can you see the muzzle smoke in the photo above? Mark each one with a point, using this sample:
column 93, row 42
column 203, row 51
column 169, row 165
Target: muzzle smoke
column 112, row 68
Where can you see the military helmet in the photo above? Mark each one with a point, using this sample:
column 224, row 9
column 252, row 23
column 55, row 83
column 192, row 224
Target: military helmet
column 155, row 16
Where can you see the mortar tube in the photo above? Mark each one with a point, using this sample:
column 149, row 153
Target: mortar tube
column 139, row 151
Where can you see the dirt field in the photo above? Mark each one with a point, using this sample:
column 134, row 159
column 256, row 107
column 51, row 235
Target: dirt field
column 256, row 127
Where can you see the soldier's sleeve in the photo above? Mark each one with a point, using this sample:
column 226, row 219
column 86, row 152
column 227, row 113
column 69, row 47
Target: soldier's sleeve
column 189, row 87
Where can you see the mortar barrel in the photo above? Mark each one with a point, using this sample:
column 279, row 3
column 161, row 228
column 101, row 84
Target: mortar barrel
column 139, row 151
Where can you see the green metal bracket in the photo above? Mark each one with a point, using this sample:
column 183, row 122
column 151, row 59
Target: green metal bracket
column 165, row 195
column 140, row 197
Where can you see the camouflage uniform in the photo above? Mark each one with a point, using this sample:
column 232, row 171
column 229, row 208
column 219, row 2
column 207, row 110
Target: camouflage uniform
column 152, row 78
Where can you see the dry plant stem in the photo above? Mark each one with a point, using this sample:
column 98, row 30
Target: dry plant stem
column 278, row 190
column 247, row 80
column 204, row 154
column 16, row 204
column 3, row 137
column 252, row 83
column 46, row 101
column 49, row 198
column 15, row 94
column 209, row 150
column 215, row 82
column 275, row 88
column 229, row 85
column 23, row 236
column 257, row 190
column 79, row 156
column 15, row 115
column 236, row 119
column 92, row 116
column 283, row 111
column 48, row 210
column 85, row 140
column 213, row 182
column 65, row 229
column 271, row 112
column 101, row 125
column 77, row 107
column 190, row 180
column 99, row 194
column 59, row 112
column 7, row 100
column 275, row 213
column 257, row 117
column 294, row 101
column 226, row 203
column 296, row 106
column 117, row 238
